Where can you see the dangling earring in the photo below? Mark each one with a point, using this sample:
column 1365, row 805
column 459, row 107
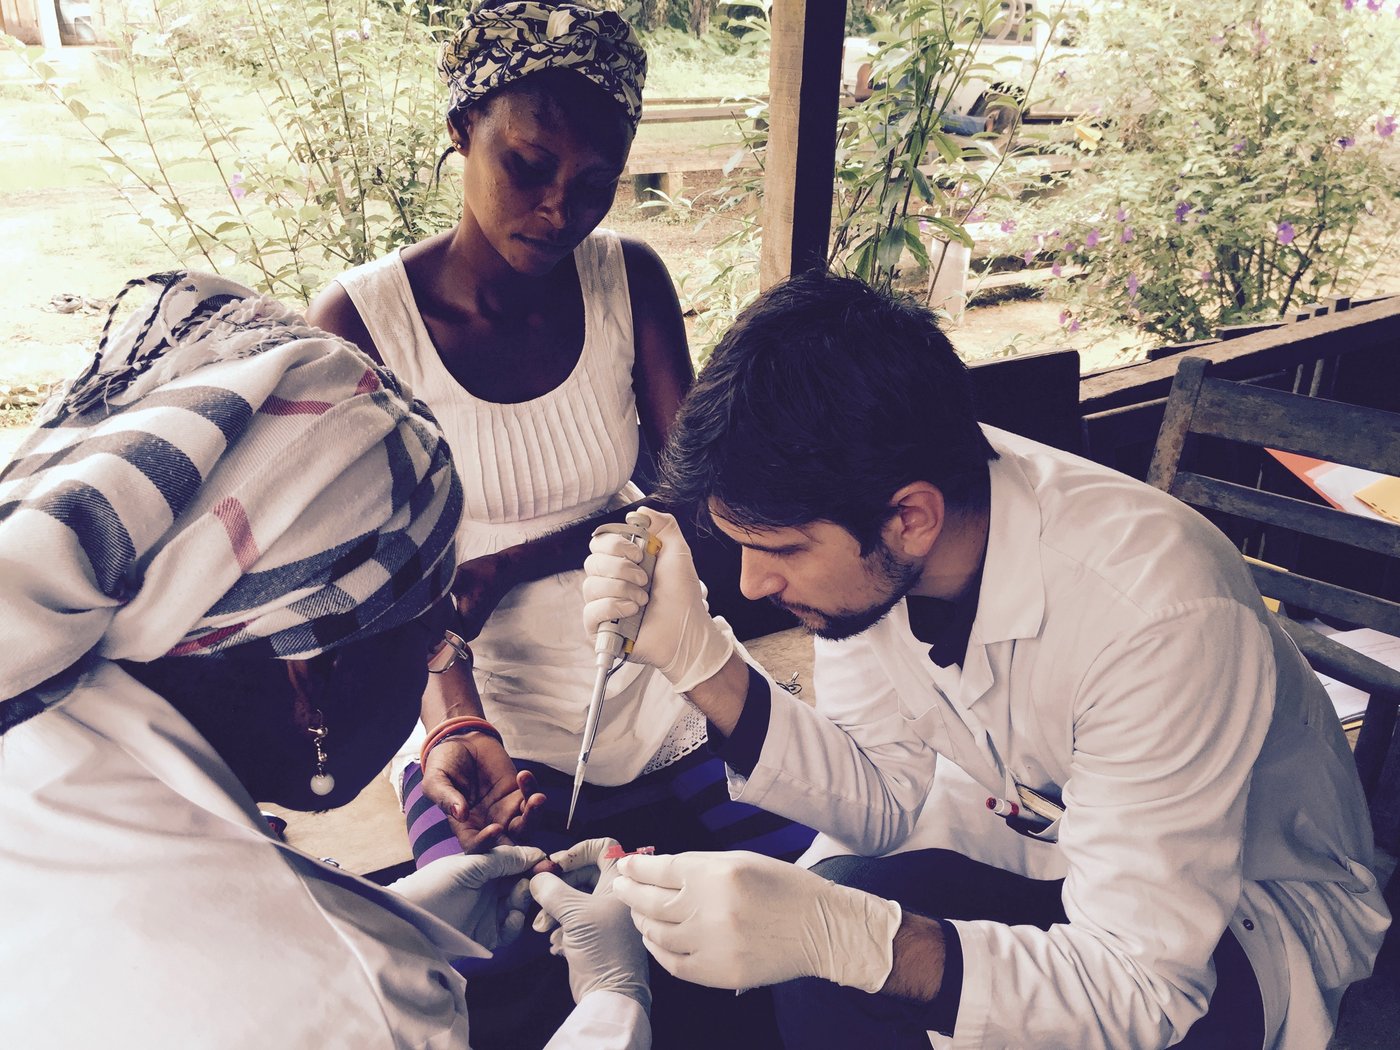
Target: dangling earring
column 322, row 783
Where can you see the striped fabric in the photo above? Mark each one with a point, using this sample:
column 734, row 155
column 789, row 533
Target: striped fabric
column 223, row 476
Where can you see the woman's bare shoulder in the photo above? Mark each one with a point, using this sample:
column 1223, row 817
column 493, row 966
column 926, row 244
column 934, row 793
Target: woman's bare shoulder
column 333, row 310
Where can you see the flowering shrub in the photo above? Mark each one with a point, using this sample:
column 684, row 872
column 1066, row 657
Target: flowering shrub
column 1249, row 162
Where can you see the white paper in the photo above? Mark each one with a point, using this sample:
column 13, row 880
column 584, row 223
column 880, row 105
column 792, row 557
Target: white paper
column 1340, row 484
column 1383, row 648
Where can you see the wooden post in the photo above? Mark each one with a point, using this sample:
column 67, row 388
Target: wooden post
column 804, row 84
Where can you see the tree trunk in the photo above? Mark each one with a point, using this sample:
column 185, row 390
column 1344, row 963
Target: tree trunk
column 700, row 12
column 652, row 14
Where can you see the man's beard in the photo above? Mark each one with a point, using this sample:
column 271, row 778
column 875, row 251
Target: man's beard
column 894, row 576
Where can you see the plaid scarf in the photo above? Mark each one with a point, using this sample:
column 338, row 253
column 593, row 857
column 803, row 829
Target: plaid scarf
column 222, row 476
column 503, row 44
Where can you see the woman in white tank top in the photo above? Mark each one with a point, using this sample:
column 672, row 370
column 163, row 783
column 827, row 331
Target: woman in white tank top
column 541, row 344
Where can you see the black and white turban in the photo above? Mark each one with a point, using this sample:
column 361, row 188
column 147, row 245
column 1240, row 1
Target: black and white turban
column 223, row 477
column 502, row 44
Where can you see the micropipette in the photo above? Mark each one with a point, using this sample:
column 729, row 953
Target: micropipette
column 613, row 643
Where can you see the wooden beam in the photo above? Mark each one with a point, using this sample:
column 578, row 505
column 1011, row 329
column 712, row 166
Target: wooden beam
column 804, row 84
column 1251, row 356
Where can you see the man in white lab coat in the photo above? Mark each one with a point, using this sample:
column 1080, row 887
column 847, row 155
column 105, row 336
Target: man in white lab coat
column 1089, row 793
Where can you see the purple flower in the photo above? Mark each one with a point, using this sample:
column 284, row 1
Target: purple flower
column 1373, row 5
column 1122, row 215
column 1073, row 326
column 1064, row 317
column 1385, row 127
column 1056, row 269
column 1182, row 209
column 1286, row 232
column 1261, row 38
column 1007, row 225
column 1132, row 286
column 235, row 187
column 1091, row 239
column 1029, row 256
column 1127, row 234
column 976, row 216
column 924, row 226
column 1207, row 277
column 1239, row 147
column 1348, row 5
column 1071, row 245
column 1346, row 142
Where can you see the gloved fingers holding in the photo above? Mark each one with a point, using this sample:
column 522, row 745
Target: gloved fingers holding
column 596, row 937
column 605, row 597
column 474, row 893
column 583, row 866
column 741, row 920
column 677, row 635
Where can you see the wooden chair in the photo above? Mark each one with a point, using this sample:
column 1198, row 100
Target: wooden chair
column 1034, row 395
column 1202, row 412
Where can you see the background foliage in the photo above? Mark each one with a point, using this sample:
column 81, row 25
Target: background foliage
column 339, row 172
column 1248, row 165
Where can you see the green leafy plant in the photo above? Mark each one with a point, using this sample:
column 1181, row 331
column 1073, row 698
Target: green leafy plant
column 329, row 161
column 912, row 162
column 1249, row 163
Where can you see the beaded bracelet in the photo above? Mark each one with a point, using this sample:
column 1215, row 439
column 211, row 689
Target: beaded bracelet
column 459, row 726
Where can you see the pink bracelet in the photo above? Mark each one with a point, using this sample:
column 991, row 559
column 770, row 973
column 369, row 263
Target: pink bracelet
column 459, row 726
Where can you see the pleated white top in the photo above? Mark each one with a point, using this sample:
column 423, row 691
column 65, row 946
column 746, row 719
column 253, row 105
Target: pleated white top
column 528, row 469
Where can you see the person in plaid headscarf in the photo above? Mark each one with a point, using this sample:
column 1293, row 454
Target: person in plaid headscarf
column 223, row 555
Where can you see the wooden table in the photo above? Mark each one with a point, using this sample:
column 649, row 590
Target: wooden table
column 368, row 835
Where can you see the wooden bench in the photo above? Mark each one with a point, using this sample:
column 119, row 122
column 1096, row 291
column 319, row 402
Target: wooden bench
column 662, row 166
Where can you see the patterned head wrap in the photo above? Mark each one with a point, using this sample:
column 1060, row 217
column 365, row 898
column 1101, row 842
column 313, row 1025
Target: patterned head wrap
column 223, row 476
column 500, row 45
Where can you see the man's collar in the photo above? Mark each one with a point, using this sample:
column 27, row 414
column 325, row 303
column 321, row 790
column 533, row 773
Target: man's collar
column 1011, row 600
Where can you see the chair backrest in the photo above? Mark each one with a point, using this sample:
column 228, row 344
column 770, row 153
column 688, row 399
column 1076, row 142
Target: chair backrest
column 1202, row 410
column 1033, row 395
column 1200, row 405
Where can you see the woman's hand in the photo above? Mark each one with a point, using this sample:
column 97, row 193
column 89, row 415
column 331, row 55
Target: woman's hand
column 475, row 782
column 478, row 588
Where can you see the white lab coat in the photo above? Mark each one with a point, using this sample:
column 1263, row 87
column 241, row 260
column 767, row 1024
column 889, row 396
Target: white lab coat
column 145, row 904
column 1120, row 654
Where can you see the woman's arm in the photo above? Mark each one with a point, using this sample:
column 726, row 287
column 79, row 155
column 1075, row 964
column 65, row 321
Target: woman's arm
column 334, row 311
column 661, row 368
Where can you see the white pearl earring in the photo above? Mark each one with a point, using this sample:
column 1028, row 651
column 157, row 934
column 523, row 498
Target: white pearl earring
column 322, row 783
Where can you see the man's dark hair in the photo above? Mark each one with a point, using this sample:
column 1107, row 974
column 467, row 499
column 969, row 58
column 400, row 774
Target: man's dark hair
column 823, row 400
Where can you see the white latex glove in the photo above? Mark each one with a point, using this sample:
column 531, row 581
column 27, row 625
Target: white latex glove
column 678, row 637
column 742, row 920
column 580, row 866
column 595, row 932
column 475, row 893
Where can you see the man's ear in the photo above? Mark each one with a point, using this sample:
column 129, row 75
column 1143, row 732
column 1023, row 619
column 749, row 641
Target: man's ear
column 919, row 516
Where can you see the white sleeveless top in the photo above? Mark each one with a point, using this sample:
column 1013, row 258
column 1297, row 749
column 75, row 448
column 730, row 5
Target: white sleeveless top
column 529, row 469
